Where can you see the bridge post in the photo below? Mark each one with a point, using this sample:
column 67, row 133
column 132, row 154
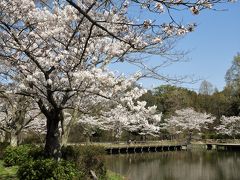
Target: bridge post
column 215, row 147
column 209, row 147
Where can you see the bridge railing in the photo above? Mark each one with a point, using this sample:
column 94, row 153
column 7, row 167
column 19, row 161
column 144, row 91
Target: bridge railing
column 232, row 141
column 137, row 143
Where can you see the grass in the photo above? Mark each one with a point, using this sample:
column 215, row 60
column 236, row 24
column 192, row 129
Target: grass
column 8, row 173
column 113, row 176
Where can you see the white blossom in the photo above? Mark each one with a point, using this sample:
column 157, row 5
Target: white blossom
column 159, row 7
column 60, row 57
column 188, row 120
column 49, row 82
column 194, row 10
column 229, row 125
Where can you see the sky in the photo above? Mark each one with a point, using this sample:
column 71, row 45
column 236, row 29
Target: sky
column 212, row 47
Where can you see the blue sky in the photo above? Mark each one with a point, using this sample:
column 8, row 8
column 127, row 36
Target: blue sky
column 212, row 47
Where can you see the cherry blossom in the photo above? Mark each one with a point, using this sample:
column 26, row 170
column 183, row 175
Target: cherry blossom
column 57, row 53
column 17, row 115
column 229, row 126
column 188, row 121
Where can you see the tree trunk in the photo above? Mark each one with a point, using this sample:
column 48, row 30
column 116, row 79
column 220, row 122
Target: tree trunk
column 64, row 138
column 2, row 136
column 7, row 137
column 19, row 139
column 13, row 139
column 67, row 128
column 52, row 145
column 189, row 139
column 88, row 139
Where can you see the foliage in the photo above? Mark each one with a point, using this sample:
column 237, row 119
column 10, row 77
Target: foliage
column 188, row 120
column 48, row 169
column 113, row 176
column 232, row 76
column 16, row 155
column 17, row 115
column 171, row 98
column 86, row 158
column 232, row 79
column 20, row 154
column 36, row 152
column 7, row 173
column 70, row 153
column 215, row 135
column 58, row 53
column 229, row 126
column 3, row 146
column 33, row 164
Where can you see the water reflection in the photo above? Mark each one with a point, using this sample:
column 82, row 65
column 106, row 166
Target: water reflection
column 184, row 165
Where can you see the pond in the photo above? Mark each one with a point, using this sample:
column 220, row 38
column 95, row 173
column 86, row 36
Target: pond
column 177, row 165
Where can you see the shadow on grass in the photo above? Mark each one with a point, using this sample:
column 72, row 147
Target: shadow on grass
column 114, row 176
column 7, row 176
column 7, row 173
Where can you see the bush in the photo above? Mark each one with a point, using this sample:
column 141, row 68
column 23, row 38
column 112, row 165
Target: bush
column 3, row 146
column 70, row 153
column 47, row 169
column 33, row 163
column 36, row 152
column 216, row 136
column 20, row 154
column 86, row 158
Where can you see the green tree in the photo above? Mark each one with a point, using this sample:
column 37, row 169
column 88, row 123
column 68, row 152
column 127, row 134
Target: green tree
column 170, row 98
column 232, row 76
column 232, row 79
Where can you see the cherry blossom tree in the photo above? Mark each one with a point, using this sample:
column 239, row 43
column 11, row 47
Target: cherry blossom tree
column 57, row 53
column 37, row 127
column 126, row 115
column 188, row 121
column 16, row 116
column 229, row 126
column 139, row 120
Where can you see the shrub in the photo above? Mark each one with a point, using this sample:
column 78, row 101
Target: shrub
column 15, row 155
column 47, row 169
column 86, row 158
column 36, row 152
column 3, row 146
column 70, row 153
column 20, row 154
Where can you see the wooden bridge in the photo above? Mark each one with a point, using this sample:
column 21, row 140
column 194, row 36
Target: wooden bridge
column 223, row 146
column 165, row 145
column 140, row 147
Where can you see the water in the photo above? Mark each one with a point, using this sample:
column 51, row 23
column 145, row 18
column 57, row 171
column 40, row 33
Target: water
column 178, row 165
